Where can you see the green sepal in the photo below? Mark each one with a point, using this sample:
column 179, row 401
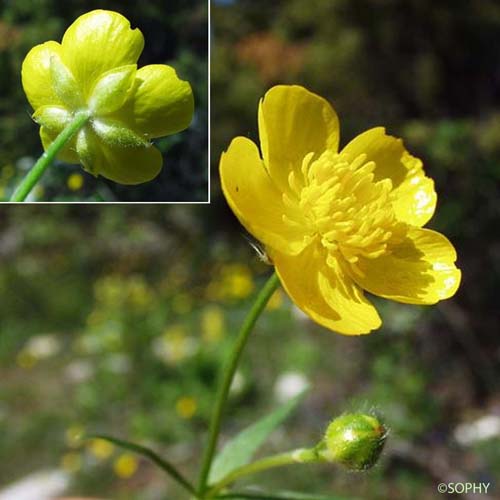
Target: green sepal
column 64, row 84
column 112, row 90
column 85, row 151
column 54, row 118
column 116, row 133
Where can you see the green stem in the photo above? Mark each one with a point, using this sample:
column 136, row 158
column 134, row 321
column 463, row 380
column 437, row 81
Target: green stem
column 227, row 377
column 300, row 456
column 33, row 176
column 162, row 463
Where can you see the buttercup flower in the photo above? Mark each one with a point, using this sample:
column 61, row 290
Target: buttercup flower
column 337, row 223
column 94, row 71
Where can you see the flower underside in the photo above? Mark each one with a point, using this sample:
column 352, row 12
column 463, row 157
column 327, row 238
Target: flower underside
column 102, row 105
column 93, row 72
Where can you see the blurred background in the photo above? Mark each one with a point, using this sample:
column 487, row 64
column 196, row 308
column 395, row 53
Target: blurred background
column 175, row 33
column 116, row 319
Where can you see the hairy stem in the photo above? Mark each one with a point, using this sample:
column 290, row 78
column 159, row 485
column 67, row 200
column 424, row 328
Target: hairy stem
column 300, row 456
column 33, row 176
column 227, row 377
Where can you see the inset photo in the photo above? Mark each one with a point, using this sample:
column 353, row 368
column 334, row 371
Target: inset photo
column 104, row 101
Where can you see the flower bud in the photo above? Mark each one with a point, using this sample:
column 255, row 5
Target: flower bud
column 354, row 440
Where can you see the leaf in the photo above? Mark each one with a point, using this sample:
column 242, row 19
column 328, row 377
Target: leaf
column 240, row 450
column 284, row 495
column 151, row 455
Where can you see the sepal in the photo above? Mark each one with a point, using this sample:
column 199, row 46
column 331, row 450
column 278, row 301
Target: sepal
column 112, row 90
column 115, row 133
column 64, row 84
column 54, row 118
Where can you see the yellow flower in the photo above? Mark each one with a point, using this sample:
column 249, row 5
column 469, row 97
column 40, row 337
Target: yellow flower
column 337, row 223
column 234, row 283
column 94, row 71
column 212, row 324
column 186, row 407
column 74, row 436
column 100, row 448
column 75, row 182
column 125, row 465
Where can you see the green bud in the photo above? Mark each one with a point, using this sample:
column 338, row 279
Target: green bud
column 354, row 440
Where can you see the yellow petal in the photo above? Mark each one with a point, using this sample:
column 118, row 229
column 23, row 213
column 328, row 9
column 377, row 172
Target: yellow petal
column 292, row 123
column 67, row 154
column 97, row 42
column 36, row 75
column 415, row 199
column 125, row 165
column 162, row 103
column 254, row 198
column 414, row 192
column 326, row 294
column 420, row 270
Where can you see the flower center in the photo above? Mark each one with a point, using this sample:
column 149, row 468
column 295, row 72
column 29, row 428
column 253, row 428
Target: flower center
column 341, row 205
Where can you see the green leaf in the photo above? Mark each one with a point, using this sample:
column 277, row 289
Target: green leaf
column 151, row 455
column 284, row 495
column 240, row 450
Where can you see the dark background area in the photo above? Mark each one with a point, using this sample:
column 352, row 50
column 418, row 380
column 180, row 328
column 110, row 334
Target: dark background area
column 175, row 33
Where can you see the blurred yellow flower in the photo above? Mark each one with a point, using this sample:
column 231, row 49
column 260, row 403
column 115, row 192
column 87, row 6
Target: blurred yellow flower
column 276, row 301
column 93, row 71
column 186, row 407
column 337, row 223
column 8, row 171
column 26, row 360
column 212, row 324
column 125, row 465
column 234, row 282
column 100, row 448
column 75, row 182
column 74, row 435
column 140, row 294
column 71, row 462
column 174, row 345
